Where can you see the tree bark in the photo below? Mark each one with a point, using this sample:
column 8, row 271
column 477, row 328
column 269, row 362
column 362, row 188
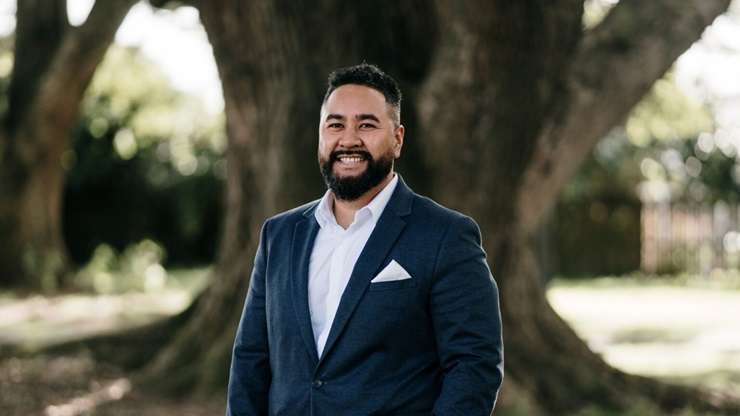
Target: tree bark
column 526, row 95
column 54, row 63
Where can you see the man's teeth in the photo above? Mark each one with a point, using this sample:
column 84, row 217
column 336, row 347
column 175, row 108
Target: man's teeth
column 351, row 159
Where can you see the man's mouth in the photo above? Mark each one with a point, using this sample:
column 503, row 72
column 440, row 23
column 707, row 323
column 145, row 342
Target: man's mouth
column 349, row 159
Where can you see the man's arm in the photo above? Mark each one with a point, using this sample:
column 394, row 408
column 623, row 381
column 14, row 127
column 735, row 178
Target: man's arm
column 249, row 378
column 467, row 323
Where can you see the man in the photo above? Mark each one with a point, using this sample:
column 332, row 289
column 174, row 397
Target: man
column 372, row 300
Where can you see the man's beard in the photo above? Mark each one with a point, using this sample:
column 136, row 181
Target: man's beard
column 352, row 187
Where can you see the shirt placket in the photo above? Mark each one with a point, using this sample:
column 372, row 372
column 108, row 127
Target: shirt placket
column 336, row 271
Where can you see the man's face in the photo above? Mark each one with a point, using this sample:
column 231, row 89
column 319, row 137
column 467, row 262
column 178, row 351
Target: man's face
column 358, row 140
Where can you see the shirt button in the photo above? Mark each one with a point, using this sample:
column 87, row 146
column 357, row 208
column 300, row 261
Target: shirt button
column 318, row 383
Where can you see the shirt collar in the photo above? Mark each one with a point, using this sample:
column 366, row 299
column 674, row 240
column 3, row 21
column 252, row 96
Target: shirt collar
column 325, row 214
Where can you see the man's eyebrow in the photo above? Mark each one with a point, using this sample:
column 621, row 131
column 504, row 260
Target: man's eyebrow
column 367, row 117
column 334, row 117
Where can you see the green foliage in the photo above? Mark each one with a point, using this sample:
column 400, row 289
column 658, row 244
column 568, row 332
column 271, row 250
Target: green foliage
column 677, row 152
column 685, row 171
column 132, row 101
column 663, row 123
column 45, row 266
column 138, row 268
column 665, row 113
column 146, row 163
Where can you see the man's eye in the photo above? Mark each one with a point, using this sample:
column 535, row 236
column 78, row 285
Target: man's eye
column 335, row 126
column 367, row 126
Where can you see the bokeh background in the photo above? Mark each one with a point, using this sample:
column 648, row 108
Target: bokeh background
column 597, row 144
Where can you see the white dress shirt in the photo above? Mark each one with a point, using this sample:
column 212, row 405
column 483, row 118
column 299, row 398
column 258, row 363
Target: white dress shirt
column 334, row 255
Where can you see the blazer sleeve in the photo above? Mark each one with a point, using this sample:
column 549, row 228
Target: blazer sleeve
column 467, row 323
column 249, row 377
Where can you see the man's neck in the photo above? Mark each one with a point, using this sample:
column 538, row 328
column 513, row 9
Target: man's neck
column 344, row 211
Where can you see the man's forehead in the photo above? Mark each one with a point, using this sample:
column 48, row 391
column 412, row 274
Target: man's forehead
column 353, row 93
column 352, row 100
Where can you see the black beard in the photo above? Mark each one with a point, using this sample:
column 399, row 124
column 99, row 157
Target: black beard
column 353, row 187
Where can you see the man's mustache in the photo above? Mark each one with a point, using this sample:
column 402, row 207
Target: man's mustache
column 361, row 153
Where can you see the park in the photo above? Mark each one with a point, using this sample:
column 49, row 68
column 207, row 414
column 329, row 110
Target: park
column 596, row 143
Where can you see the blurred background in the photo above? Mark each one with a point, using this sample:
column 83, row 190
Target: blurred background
column 143, row 143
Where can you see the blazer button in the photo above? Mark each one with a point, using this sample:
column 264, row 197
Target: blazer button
column 318, row 383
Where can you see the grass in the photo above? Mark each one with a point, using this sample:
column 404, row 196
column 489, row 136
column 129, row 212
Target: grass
column 683, row 331
column 35, row 322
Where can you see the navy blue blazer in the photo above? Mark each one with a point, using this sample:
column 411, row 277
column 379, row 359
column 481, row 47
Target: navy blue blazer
column 421, row 346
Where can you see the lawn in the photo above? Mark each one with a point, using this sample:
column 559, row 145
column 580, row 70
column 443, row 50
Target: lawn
column 686, row 331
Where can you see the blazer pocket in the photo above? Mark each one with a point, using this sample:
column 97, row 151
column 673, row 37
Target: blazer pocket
column 394, row 284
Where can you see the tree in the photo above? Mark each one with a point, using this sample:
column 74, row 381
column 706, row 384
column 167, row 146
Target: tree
column 530, row 106
column 54, row 62
column 510, row 96
column 271, row 105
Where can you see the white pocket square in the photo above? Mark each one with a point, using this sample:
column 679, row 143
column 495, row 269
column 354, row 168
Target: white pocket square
column 392, row 272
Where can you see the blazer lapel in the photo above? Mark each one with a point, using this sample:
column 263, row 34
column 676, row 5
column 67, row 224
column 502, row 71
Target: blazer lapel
column 386, row 232
column 304, row 236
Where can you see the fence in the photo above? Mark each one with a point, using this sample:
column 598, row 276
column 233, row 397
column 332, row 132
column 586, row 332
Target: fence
column 695, row 238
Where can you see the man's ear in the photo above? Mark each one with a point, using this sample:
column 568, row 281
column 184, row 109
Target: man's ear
column 398, row 136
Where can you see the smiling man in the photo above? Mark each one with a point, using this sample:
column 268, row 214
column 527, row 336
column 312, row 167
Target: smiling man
column 372, row 300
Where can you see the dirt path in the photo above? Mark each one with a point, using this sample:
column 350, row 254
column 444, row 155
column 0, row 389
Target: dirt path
column 76, row 385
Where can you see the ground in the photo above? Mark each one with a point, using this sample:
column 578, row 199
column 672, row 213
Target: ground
column 681, row 329
column 687, row 333
column 76, row 385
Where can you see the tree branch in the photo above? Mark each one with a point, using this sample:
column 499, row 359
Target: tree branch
column 82, row 49
column 616, row 64
column 39, row 30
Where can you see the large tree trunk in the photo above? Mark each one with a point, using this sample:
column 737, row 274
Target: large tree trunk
column 526, row 95
column 53, row 65
column 33, row 255
column 508, row 111
column 273, row 65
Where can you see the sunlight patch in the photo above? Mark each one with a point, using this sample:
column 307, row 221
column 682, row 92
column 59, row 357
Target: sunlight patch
column 79, row 405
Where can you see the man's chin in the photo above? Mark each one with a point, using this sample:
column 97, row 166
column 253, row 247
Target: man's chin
column 339, row 174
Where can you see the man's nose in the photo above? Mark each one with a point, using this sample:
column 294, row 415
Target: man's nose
column 350, row 138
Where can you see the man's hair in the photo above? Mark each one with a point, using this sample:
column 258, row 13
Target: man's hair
column 370, row 76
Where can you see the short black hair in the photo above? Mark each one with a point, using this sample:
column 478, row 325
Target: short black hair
column 370, row 76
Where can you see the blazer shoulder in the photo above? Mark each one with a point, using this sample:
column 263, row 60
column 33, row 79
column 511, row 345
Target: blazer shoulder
column 290, row 217
column 428, row 209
